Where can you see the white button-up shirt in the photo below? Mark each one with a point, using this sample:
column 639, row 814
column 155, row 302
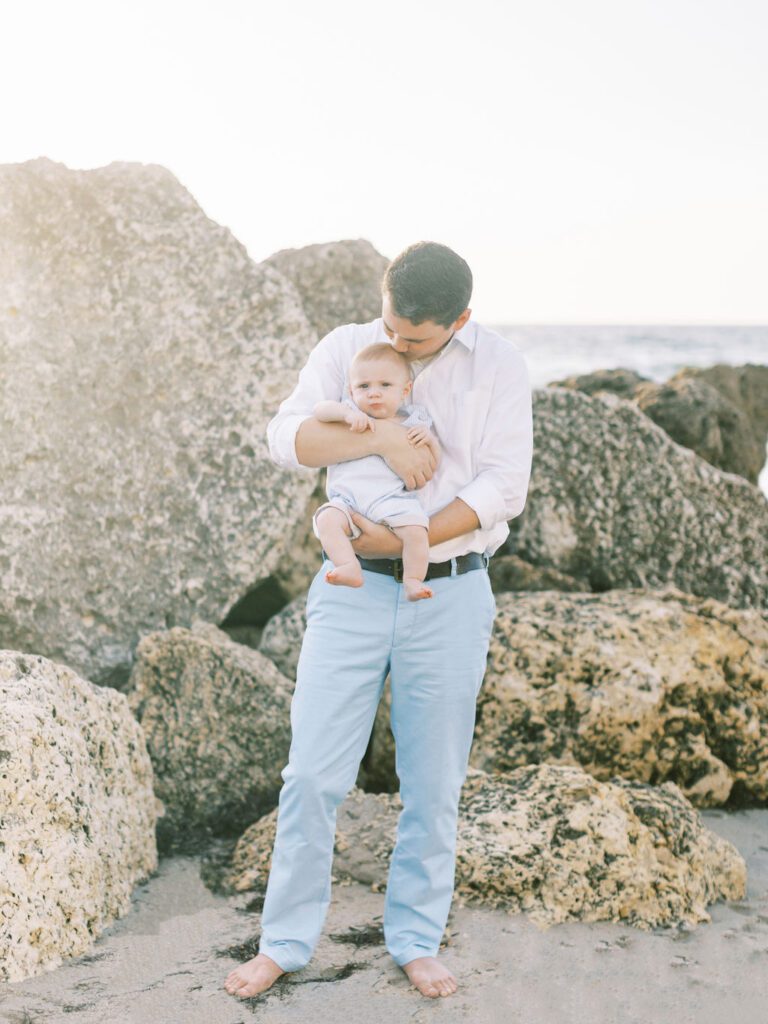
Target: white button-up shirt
column 477, row 391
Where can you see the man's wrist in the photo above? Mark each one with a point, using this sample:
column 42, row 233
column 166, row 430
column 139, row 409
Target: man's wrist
column 380, row 439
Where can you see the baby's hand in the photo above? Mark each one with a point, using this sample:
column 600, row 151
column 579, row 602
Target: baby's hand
column 418, row 435
column 358, row 421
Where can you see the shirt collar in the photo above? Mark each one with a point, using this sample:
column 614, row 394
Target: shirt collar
column 466, row 335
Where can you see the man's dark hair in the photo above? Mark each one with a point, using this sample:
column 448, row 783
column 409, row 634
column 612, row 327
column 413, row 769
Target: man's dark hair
column 428, row 281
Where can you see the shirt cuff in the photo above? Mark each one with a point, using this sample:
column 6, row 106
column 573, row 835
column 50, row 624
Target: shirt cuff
column 485, row 500
column 282, row 443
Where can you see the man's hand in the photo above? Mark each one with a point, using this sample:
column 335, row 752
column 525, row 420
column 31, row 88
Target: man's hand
column 358, row 421
column 414, row 465
column 376, row 540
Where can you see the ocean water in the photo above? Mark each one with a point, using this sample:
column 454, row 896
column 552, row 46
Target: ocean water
column 553, row 352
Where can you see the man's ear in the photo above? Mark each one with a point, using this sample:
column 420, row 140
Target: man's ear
column 461, row 320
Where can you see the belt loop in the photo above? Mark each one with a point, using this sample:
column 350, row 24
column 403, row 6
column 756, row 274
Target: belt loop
column 486, row 560
column 453, row 567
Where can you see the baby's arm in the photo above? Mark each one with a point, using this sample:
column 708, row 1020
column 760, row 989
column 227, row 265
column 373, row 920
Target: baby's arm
column 339, row 412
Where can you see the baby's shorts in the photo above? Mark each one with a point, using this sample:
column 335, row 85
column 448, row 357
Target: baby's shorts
column 390, row 511
column 340, row 504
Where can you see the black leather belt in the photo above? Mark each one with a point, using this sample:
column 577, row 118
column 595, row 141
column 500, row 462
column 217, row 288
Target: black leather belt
column 394, row 566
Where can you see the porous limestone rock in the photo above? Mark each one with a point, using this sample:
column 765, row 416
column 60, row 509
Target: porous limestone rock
column 614, row 502
column 548, row 840
column 620, row 381
column 283, row 634
column 216, row 716
column 508, row 572
column 562, row 846
column 77, row 818
column 697, row 415
column 746, row 386
column 720, row 412
column 649, row 686
column 142, row 353
column 339, row 282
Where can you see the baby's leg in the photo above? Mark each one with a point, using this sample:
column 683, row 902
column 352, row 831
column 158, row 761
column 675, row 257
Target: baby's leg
column 333, row 529
column 415, row 560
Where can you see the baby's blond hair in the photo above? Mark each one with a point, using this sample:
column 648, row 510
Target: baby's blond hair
column 381, row 351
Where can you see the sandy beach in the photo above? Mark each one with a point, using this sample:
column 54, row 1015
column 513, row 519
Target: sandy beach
column 165, row 961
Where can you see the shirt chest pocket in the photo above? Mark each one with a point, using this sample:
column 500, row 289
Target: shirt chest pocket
column 470, row 408
column 468, row 413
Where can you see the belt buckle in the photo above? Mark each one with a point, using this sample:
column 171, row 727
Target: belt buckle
column 397, row 570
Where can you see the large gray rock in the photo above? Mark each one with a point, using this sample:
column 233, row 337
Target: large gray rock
column 649, row 686
column 143, row 353
column 614, row 502
column 339, row 282
column 548, row 840
column 620, row 381
column 697, row 415
column 283, row 635
column 720, row 412
column 746, row 386
column 216, row 716
column 77, row 812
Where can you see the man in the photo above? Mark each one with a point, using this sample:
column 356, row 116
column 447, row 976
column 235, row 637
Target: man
column 475, row 386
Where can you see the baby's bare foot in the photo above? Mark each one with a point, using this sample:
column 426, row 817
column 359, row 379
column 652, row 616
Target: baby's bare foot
column 348, row 574
column 430, row 977
column 253, row 976
column 415, row 589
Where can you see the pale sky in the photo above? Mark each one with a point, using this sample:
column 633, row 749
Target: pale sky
column 595, row 161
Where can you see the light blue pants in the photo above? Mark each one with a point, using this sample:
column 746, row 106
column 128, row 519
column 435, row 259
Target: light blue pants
column 435, row 650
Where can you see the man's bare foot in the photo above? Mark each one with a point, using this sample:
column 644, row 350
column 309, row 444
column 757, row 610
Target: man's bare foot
column 430, row 977
column 415, row 589
column 348, row 574
column 253, row 976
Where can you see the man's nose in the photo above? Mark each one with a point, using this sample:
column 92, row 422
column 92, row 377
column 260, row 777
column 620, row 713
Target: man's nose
column 399, row 345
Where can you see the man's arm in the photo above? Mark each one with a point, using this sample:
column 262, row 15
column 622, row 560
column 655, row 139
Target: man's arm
column 299, row 441
column 498, row 491
column 323, row 444
column 377, row 541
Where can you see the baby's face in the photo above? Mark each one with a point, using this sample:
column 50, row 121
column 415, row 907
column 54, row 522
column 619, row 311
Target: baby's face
column 379, row 387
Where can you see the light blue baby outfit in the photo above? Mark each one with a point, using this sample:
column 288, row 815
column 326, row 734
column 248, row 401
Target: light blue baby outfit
column 370, row 487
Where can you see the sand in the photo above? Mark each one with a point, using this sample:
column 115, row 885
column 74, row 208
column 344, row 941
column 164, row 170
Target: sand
column 164, row 962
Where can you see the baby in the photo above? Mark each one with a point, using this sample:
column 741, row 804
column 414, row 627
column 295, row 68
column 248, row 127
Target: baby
column 379, row 383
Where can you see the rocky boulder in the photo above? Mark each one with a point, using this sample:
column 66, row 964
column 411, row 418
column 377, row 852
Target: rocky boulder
column 720, row 412
column 339, row 282
column 697, row 415
column 78, row 812
column 649, row 686
column 143, row 353
column 548, row 840
column 614, row 502
column 283, row 634
column 508, row 572
column 620, row 381
column 216, row 716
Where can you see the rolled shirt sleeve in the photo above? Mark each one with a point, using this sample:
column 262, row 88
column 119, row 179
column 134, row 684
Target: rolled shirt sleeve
column 320, row 379
column 498, row 491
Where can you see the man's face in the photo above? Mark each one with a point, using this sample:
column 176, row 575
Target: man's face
column 379, row 386
column 417, row 341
